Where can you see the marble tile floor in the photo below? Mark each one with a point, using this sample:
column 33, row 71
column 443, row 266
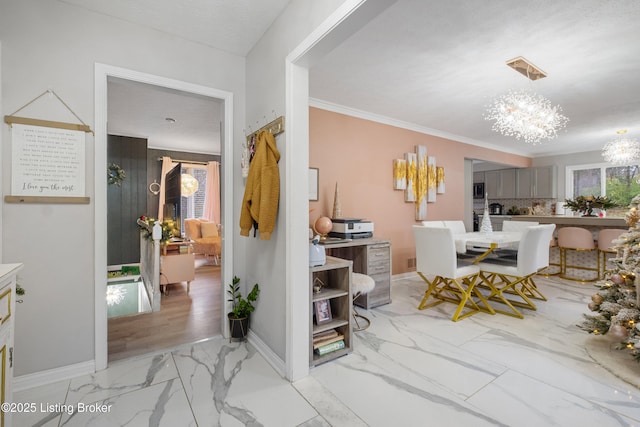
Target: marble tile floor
column 410, row 368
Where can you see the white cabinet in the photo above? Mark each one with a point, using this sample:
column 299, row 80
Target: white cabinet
column 478, row 177
column 8, row 274
column 500, row 184
column 177, row 268
column 540, row 182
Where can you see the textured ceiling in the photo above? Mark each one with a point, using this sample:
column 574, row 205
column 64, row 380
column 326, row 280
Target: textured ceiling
column 436, row 65
column 230, row 25
column 140, row 110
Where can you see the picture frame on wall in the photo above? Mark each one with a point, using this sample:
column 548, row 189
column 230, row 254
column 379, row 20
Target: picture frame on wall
column 322, row 310
column 313, row 184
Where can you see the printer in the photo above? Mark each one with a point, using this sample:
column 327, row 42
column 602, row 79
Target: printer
column 351, row 228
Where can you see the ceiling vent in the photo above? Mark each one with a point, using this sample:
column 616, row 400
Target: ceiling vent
column 526, row 68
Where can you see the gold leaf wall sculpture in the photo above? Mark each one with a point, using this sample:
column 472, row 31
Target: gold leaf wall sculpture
column 422, row 184
column 420, row 178
column 431, row 177
column 399, row 174
column 439, row 179
column 410, row 192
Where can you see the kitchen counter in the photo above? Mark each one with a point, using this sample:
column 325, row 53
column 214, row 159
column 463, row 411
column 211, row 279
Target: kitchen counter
column 578, row 221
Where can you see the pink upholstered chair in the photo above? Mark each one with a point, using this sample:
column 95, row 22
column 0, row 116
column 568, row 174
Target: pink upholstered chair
column 605, row 242
column 579, row 240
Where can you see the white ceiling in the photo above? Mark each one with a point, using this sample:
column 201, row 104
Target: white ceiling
column 141, row 110
column 435, row 65
column 230, row 25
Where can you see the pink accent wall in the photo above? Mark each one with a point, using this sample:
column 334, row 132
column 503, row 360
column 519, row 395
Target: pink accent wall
column 358, row 154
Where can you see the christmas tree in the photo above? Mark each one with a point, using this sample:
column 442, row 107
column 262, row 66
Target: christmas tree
column 617, row 301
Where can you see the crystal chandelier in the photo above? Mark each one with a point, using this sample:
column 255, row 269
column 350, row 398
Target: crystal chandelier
column 527, row 116
column 621, row 150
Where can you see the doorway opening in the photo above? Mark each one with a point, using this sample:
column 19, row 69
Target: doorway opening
column 205, row 289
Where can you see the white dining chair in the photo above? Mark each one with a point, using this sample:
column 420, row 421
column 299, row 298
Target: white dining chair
column 438, row 224
column 518, row 227
column 456, row 226
column 502, row 277
column 542, row 260
column 453, row 281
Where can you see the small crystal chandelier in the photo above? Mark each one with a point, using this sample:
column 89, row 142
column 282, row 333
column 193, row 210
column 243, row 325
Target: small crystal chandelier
column 523, row 113
column 527, row 116
column 621, row 150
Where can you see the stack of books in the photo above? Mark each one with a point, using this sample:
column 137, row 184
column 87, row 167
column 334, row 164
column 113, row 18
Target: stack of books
column 327, row 342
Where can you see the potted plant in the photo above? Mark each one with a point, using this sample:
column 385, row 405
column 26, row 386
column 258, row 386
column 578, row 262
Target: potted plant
column 586, row 204
column 241, row 308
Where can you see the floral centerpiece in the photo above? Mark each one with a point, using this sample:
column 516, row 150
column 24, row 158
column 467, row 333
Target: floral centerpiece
column 587, row 204
column 146, row 224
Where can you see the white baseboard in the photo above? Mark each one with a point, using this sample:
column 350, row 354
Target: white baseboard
column 24, row 382
column 266, row 352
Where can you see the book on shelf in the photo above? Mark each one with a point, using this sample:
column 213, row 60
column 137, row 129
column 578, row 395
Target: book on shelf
column 329, row 348
column 324, row 335
column 323, row 342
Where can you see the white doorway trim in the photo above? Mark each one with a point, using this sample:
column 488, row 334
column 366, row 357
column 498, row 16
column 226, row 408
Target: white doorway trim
column 102, row 73
column 339, row 26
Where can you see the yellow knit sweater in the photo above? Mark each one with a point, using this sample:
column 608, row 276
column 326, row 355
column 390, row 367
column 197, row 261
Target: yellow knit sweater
column 262, row 193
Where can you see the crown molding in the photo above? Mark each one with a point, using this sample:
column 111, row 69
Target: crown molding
column 353, row 112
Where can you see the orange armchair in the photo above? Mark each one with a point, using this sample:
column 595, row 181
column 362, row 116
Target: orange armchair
column 205, row 237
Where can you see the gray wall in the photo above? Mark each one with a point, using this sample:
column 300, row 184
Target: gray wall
column 55, row 325
column 564, row 160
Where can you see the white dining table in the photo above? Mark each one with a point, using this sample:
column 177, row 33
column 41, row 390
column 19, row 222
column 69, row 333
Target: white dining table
column 488, row 241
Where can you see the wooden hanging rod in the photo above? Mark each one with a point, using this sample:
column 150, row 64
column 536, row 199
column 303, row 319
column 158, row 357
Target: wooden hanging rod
column 45, row 199
column 46, row 123
column 275, row 127
column 195, row 162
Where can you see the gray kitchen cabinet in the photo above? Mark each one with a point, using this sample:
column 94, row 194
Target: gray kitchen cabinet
column 539, row 182
column 500, row 184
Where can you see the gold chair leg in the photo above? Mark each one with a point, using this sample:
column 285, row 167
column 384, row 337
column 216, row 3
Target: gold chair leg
column 450, row 290
column 499, row 283
column 532, row 289
column 564, row 266
column 432, row 287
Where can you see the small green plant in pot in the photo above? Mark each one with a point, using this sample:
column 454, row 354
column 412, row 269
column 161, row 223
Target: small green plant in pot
column 241, row 308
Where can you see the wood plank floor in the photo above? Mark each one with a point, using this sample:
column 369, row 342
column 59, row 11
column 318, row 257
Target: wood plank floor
column 183, row 318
